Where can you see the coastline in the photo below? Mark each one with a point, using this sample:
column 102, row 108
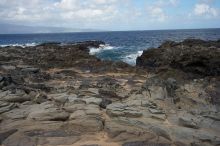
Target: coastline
column 61, row 95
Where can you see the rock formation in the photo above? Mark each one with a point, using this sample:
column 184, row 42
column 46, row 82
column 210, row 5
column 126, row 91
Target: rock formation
column 195, row 56
column 54, row 94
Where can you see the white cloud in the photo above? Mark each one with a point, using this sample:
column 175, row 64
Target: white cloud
column 163, row 3
column 206, row 10
column 61, row 12
column 157, row 14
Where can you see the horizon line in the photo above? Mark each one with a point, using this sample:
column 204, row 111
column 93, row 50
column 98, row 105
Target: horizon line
column 104, row 31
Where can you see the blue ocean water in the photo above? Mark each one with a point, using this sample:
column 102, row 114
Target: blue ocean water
column 125, row 46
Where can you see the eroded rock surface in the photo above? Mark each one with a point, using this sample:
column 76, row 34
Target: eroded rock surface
column 54, row 94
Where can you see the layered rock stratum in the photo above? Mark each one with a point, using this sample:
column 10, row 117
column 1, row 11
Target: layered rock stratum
column 55, row 94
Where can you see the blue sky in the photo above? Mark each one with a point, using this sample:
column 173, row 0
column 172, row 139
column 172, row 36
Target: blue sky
column 113, row 14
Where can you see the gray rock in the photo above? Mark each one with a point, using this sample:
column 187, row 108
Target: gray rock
column 156, row 111
column 171, row 86
column 188, row 122
column 5, row 134
column 92, row 100
column 51, row 114
column 118, row 109
column 7, row 67
column 5, row 107
column 77, row 114
column 72, row 97
column 61, row 97
column 105, row 102
column 214, row 116
column 16, row 98
column 18, row 113
column 30, row 70
column 159, row 116
column 161, row 131
column 38, row 97
column 86, row 124
column 46, row 112
column 18, row 139
column 144, row 143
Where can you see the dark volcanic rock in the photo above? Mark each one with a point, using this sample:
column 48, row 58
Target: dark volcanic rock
column 105, row 102
column 195, row 56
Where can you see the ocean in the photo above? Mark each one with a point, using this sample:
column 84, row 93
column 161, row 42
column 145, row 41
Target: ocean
column 121, row 45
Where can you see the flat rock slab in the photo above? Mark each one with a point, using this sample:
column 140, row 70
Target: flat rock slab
column 118, row 109
column 16, row 98
column 6, row 134
column 51, row 114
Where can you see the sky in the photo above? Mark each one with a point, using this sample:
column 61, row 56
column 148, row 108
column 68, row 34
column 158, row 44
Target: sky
column 113, row 14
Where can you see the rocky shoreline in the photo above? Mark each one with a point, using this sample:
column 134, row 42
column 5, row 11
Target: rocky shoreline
column 54, row 94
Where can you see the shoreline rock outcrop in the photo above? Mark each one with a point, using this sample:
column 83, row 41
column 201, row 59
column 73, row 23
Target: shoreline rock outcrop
column 58, row 94
column 191, row 55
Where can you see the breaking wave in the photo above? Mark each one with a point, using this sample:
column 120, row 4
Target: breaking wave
column 131, row 58
column 93, row 51
column 20, row 45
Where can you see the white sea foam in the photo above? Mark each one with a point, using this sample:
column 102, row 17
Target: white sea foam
column 101, row 48
column 20, row 45
column 131, row 58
